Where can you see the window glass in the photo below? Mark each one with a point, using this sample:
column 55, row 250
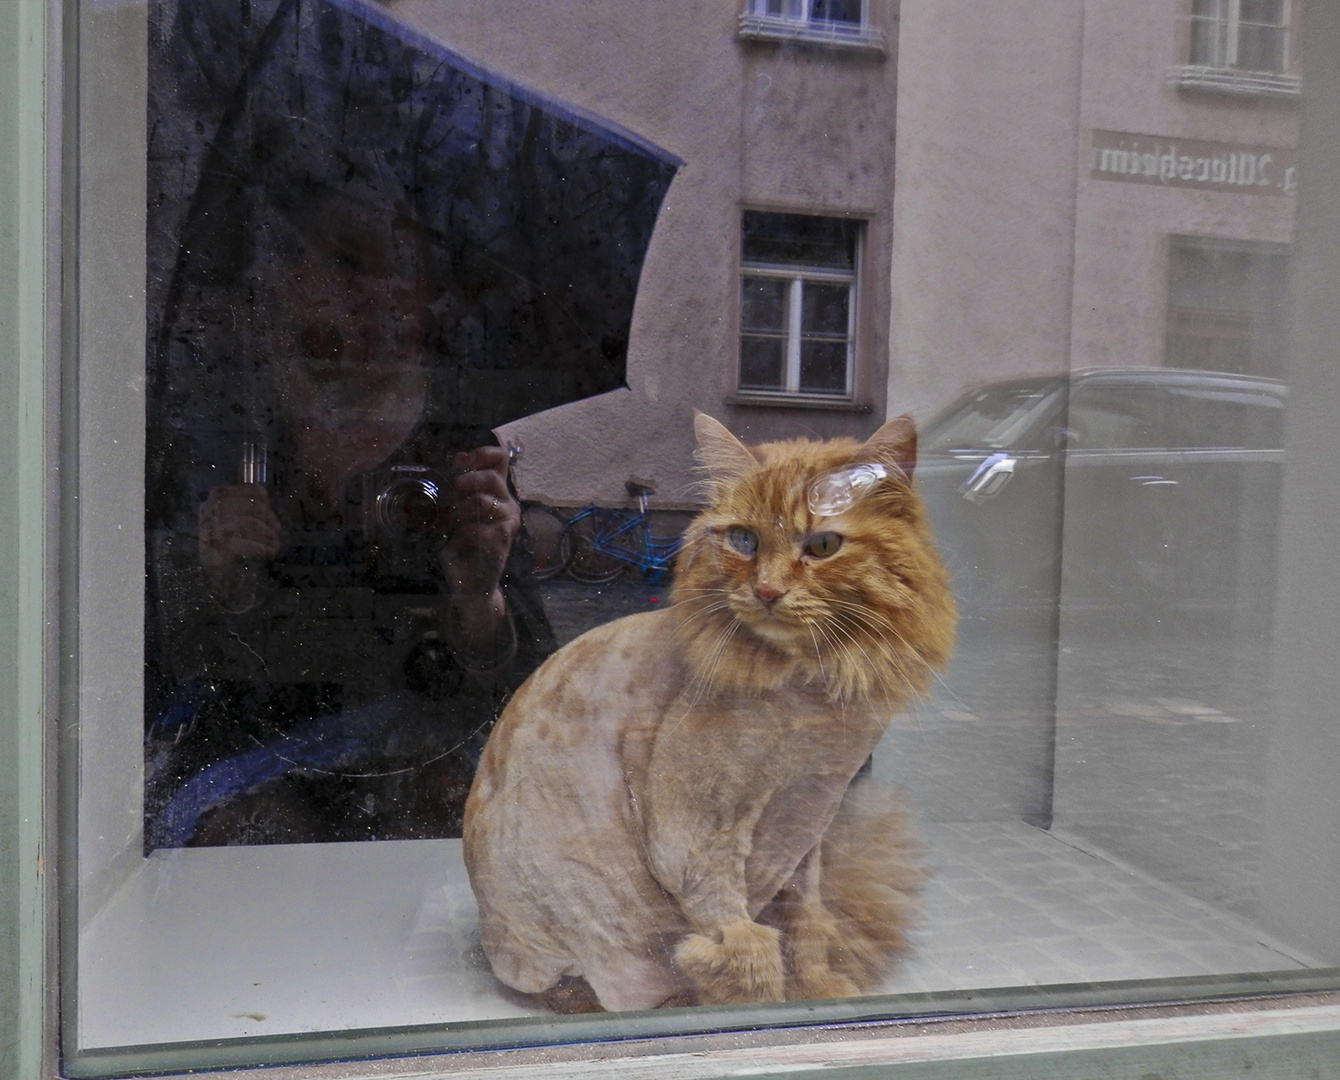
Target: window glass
column 1261, row 35
column 993, row 419
column 1231, row 418
column 848, row 11
column 1226, row 307
column 1120, row 418
column 440, row 681
column 1246, row 34
column 796, row 331
column 799, row 239
column 845, row 11
column 825, row 319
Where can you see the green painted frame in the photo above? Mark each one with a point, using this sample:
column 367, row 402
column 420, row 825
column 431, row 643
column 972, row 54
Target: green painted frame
column 1289, row 1035
column 27, row 373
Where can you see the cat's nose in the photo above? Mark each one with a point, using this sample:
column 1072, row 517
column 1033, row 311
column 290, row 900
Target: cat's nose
column 769, row 594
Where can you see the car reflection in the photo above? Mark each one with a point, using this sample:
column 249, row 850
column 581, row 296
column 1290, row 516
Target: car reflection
column 1140, row 492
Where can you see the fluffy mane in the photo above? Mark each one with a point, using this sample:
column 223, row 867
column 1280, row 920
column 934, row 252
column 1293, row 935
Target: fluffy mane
column 870, row 621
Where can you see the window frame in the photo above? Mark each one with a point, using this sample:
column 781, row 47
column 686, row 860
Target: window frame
column 797, row 274
column 1249, row 330
column 863, row 35
column 1279, row 1035
column 1232, row 25
column 794, row 337
column 1193, row 74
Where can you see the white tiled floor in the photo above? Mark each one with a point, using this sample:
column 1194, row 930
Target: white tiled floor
column 374, row 935
column 1010, row 905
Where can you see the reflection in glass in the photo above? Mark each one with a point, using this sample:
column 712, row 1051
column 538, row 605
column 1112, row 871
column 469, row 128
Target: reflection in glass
column 364, row 255
column 823, row 366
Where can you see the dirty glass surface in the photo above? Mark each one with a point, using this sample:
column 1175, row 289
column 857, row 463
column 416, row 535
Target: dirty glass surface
column 360, row 285
column 363, row 255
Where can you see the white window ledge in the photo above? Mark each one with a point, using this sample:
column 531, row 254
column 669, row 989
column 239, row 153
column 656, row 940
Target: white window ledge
column 1233, row 81
column 870, row 39
column 796, row 401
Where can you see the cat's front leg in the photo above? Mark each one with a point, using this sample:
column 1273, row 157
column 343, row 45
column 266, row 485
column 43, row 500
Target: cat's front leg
column 728, row 956
column 740, row 961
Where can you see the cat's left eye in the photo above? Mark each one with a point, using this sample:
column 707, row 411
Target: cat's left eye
column 821, row 545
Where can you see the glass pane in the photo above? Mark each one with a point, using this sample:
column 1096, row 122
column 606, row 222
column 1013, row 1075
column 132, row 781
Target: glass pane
column 762, row 363
column 800, row 240
column 415, row 275
column 1226, row 307
column 1003, row 417
column 1122, row 417
column 1260, row 48
column 1261, row 12
column 823, row 309
column 1210, row 29
column 823, row 366
column 764, row 303
column 848, row 11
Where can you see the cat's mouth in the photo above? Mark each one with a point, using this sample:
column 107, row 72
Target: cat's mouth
column 770, row 620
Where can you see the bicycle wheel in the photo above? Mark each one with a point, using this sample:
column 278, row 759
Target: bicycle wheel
column 584, row 562
column 544, row 527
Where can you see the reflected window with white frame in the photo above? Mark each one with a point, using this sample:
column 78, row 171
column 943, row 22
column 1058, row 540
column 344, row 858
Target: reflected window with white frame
column 797, row 304
column 839, row 11
column 1245, row 35
column 846, row 24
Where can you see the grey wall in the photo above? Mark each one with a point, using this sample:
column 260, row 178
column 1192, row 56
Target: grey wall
column 984, row 197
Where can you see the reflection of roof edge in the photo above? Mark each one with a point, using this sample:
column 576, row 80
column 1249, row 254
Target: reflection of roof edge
column 589, row 121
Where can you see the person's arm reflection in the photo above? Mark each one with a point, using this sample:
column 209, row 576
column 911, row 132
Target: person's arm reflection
column 487, row 520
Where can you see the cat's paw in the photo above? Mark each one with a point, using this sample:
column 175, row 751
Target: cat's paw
column 745, row 965
column 818, row 984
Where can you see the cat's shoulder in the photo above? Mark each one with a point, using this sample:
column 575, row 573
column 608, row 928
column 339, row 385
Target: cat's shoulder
column 628, row 638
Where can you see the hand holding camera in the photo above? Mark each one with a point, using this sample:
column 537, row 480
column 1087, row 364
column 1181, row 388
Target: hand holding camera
column 486, row 521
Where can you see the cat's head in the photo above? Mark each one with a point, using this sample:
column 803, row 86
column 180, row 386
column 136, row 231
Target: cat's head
column 813, row 564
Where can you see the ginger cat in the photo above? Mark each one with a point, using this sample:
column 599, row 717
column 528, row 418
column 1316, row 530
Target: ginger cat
column 666, row 808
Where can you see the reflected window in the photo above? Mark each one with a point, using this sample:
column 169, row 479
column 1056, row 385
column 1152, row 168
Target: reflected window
column 832, row 23
column 1249, row 35
column 843, row 11
column 1226, row 306
column 797, row 307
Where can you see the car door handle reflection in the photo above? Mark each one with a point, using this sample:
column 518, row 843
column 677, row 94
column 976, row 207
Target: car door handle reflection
column 989, row 478
column 1152, row 481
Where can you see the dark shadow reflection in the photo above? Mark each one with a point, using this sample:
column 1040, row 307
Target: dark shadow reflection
column 364, row 254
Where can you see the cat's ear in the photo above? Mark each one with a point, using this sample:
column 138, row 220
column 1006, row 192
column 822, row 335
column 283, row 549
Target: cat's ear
column 896, row 441
column 722, row 454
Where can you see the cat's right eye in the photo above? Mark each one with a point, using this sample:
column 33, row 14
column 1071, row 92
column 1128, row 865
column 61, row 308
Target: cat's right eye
column 743, row 540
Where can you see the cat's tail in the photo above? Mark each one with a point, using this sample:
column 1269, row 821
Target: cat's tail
column 869, row 883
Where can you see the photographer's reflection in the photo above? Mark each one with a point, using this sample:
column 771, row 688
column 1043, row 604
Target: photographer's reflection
column 364, row 614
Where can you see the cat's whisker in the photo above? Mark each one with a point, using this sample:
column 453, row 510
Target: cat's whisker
column 819, row 656
column 935, row 674
column 708, row 678
column 832, row 628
